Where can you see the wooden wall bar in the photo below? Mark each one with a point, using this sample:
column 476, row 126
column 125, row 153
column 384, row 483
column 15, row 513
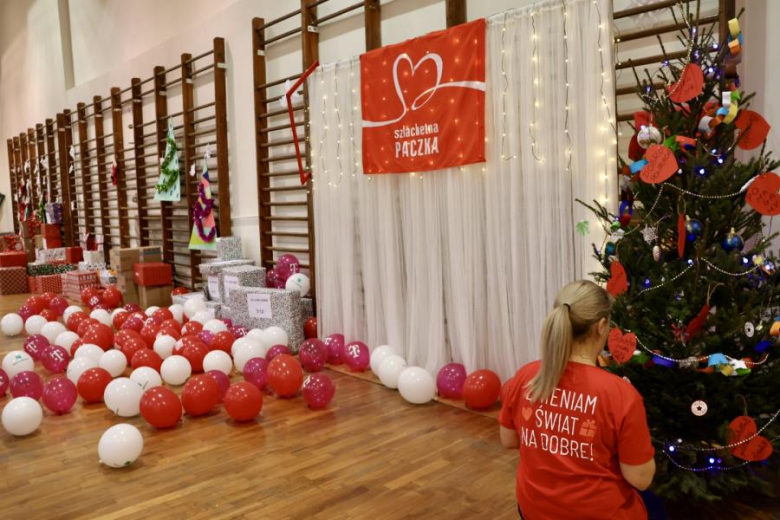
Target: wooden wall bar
column 12, row 176
column 52, row 177
column 99, row 174
column 84, row 199
column 64, row 139
column 220, row 112
column 190, row 193
column 161, row 118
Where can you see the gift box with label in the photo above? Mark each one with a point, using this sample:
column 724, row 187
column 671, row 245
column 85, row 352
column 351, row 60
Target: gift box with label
column 242, row 275
column 225, row 313
column 73, row 255
column 51, row 231
column 211, row 271
column 13, row 259
column 12, row 243
column 92, row 266
column 261, row 307
column 152, row 274
column 45, row 256
column 215, row 307
column 13, row 280
column 53, row 212
column 48, row 283
column 121, row 259
column 229, row 248
column 38, row 269
column 94, row 257
column 158, row 296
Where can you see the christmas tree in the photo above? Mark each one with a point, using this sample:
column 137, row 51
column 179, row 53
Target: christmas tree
column 687, row 257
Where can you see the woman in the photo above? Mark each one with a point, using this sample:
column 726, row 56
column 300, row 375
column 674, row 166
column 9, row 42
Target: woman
column 582, row 432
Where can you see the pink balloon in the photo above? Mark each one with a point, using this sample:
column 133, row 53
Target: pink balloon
column 55, row 359
column 25, row 311
column 318, row 390
column 286, row 266
column 256, row 372
column 27, row 384
column 313, row 355
column 270, row 278
column 275, row 351
column 357, row 356
column 227, row 321
column 223, row 382
column 206, row 337
column 4, row 382
column 450, row 380
column 335, row 344
column 35, row 345
column 238, row 331
column 60, row 394
column 58, row 304
column 133, row 307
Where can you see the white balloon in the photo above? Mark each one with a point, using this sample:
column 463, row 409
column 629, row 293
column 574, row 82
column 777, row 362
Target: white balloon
column 91, row 351
column 214, row 326
column 146, row 377
column 123, row 397
column 53, row 329
column 194, row 305
column 151, row 310
column 176, row 370
column 11, row 324
column 240, row 342
column 22, row 416
column 17, row 361
column 120, row 445
column 117, row 311
column 390, row 370
column 203, row 316
column 275, row 336
column 76, row 367
column 416, row 385
column 218, row 360
column 298, row 282
column 247, row 352
column 112, row 361
column 164, row 344
column 380, row 354
column 177, row 311
column 66, row 339
column 102, row 316
column 257, row 335
column 34, row 324
column 70, row 310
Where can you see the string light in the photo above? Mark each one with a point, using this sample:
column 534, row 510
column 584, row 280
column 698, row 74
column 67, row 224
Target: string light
column 504, row 156
column 532, row 126
column 566, row 82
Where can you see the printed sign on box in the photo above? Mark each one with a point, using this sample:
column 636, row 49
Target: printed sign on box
column 424, row 102
column 214, row 287
column 259, row 305
column 230, row 283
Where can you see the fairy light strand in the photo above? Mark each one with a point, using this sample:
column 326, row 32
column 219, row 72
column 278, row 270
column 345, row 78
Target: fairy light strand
column 534, row 95
column 566, row 88
column 504, row 156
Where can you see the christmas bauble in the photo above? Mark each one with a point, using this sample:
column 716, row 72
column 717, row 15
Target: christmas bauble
column 693, row 229
column 656, row 253
column 648, row 135
column 609, row 249
column 732, row 241
column 614, row 226
column 759, row 260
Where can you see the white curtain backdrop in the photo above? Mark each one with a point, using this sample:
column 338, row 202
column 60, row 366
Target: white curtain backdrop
column 463, row 264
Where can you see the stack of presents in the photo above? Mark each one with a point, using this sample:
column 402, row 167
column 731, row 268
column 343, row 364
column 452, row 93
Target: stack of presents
column 235, row 289
column 142, row 276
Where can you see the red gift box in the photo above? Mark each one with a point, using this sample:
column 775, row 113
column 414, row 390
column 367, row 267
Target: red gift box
column 152, row 274
column 51, row 231
column 13, row 280
column 73, row 255
column 52, row 243
column 13, row 259
column 48, row 283
column 30, row 284
column 81, row 277
column 12, row 243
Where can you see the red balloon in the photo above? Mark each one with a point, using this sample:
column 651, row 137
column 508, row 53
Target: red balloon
column 169, row 331
column 160, row 407
column 101, row 335
column 58, row 304
column 87, row 293
column 112, row 296
column 27, row 384
column 223, row 381
column 200, row 395
column 92, row 384
column 195, row 351
column 153, row 320
column 133, row 307
column 123, row 335
column 133, row 345
column 49, row 314
column 74, row 320
column 243, row 401
column 25, row 311
column 171, row 324
column 133, row 322
column 222, row 341
column 85, row 325
column 149, row 333
column 119, row 319
column 47, row 298
column 192, row 327
column 163, row 314
column 96, row 301
column 285, row 375
column 481, row 389
column 146, row 358
column 179, row 290
column 310, row 328
column 75, row 346
column 36, row 303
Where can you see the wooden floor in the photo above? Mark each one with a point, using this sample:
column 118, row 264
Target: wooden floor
column 369, row 455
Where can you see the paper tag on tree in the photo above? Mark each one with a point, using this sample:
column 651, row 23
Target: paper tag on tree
column 259, row 305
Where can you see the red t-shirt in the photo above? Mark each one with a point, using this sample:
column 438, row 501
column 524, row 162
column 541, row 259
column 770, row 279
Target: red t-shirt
column 571, row 445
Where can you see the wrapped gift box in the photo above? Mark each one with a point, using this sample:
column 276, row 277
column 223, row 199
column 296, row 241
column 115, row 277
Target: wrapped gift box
column 216, row 307
column 229, row 248
column 92, row 266
column 51, row 243
column 122, row 259
column 209, row 268
column 261, row 307
column 12, row 243
column 225, row 312
column 13, row 280
column 158, row 296
column 74, row 282
column 48, row 283
column 45, row 256
column 124, row 282
column 13, row 259
column 93, row 257
column 74, row 255
column 152, row 274
column 38, row 269
column 53, row 212
column 29, row 228
column 31, row 284
column 242, row 275
column 51, row 231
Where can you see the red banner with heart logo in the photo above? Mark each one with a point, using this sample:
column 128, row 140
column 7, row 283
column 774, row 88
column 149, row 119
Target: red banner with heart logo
column 423, row 102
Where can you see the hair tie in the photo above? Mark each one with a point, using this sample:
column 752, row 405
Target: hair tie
column 568, row 307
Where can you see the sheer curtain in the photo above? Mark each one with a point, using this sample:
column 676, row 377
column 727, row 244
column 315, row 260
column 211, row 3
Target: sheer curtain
column 463, row 264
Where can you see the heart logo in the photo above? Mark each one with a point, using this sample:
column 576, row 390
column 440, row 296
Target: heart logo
column 661, row 164
column 762, row 194
column 413, row 81
column 753, row 129
column 690, row 85
column 757, row 448
column 618, row 282
column 527, row 413
column 621, row 346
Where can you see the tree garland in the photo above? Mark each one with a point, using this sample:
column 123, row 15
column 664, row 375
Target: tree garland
column 201, row 212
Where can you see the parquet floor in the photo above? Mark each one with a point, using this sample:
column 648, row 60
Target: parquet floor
column 369, row 455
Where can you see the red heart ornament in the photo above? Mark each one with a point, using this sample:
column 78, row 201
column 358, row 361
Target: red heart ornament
column 753, row 127
column 690, row 85
column 618, row 282
column 621, row 346
column 762, row 194
column 661, row 164
column 757, row 448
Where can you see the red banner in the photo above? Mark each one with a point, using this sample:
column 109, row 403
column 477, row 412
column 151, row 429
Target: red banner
column 424, row 102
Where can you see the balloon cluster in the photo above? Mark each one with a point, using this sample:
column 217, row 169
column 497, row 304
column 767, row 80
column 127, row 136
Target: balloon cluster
column 287, row 275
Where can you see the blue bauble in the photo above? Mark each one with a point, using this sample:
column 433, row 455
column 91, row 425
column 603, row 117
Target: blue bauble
column 609, row 249
column 732, row 241
column 693, row 229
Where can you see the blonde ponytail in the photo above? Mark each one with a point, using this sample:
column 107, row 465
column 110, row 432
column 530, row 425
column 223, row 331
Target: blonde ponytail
column 578, row 306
